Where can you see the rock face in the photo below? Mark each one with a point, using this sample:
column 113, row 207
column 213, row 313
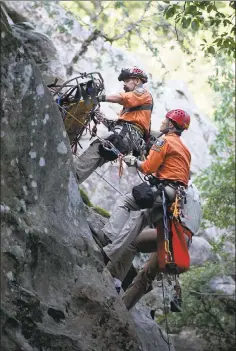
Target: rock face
column 223, row 284
column 200, row 251
column 56, row 294
column 42, row 51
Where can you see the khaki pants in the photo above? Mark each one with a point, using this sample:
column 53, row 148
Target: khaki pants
column 126, row 223
column 88, row 162
column 146, row 242
column 142, row 283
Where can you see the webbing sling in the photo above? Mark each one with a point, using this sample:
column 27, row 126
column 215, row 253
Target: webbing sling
column 138, row 108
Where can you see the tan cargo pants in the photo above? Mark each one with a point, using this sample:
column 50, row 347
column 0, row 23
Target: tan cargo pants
column 146, row 242
column 88, row 162
column 126, row 223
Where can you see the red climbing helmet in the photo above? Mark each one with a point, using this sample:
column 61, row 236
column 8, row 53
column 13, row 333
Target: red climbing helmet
column 179, row 116
column 133, row 72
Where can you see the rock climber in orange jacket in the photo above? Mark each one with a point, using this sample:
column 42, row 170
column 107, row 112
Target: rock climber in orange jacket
column 131, row 128
column 169, row 160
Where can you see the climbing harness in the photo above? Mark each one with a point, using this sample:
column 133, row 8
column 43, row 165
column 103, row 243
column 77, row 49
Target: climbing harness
column 176, row 207
column 165, row 312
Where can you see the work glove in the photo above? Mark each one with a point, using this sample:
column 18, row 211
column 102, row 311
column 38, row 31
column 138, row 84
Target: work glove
column 130, row 160
column 101, row 98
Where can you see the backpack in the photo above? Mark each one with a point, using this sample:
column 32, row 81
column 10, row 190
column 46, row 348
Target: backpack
column 177, row 244
column 191, row 215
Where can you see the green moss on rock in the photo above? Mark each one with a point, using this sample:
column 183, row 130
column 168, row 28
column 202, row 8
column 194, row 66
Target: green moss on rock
column 85, row 198
column 101, row 211
column 97, row 209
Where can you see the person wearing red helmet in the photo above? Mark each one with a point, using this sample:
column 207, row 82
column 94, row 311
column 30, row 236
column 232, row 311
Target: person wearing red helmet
column 132, row 125
column 168, row 163
column 169, row 158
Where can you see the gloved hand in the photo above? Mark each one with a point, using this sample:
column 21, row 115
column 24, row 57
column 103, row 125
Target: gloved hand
column 130, row 160
column 101, row 98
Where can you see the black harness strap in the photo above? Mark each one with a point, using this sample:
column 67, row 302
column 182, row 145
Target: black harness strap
column 124, row 131
column 138, row 108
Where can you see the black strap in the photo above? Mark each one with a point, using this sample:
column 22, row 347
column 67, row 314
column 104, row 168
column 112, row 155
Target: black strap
column 124, row 131
column 138, row 108
column 149, row 132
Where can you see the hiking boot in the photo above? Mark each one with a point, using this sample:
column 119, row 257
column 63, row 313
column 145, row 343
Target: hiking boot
column 117, row 285
column 101, row 238
column 175, row 304
column 152, row 314
column 118, row 290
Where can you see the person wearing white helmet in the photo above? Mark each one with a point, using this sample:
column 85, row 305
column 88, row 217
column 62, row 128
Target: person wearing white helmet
column 132, row 125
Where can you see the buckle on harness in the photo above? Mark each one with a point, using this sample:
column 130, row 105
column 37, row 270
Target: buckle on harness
column 172, row 268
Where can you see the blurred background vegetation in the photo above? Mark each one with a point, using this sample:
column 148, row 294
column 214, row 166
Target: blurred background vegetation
column 175, row 38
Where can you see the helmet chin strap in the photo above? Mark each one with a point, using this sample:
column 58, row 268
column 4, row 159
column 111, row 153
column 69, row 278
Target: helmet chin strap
column 165, row 131
column 172, row 130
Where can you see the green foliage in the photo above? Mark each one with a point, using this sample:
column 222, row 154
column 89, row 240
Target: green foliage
column 211, row 315
column 217, row 182
column 101, row 211
column 85, row 198
column 217, row 18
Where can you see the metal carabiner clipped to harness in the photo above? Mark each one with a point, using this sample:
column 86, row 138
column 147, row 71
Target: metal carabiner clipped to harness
column 107, row 145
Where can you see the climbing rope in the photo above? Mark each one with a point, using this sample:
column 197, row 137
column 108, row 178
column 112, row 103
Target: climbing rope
column 108, row 182
column 165, row 313
column 105, row 180
column 121, row 168
column 168, row 255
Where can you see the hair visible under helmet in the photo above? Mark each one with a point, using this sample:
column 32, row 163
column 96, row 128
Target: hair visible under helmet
column 133, row 72
column 180, row 119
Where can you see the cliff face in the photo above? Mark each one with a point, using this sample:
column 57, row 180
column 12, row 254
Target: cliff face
column 56, row 293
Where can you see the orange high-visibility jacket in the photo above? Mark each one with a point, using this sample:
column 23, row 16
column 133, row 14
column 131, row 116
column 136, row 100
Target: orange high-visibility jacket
column 136, row 98
column 169, row 159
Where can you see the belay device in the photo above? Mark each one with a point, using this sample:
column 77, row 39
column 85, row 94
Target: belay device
column 78, row 104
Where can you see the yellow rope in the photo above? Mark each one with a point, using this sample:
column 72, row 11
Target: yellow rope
column 176, row 207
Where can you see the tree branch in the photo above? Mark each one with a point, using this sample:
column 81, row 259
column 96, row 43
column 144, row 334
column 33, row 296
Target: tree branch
column 214, row 317
column 129, row 28
column 92, row 37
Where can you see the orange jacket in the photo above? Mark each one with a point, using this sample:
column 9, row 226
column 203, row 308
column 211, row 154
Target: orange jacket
column 169, row 158
column 135, row 98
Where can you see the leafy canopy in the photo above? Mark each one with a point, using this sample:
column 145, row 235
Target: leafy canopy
column 138, row 24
